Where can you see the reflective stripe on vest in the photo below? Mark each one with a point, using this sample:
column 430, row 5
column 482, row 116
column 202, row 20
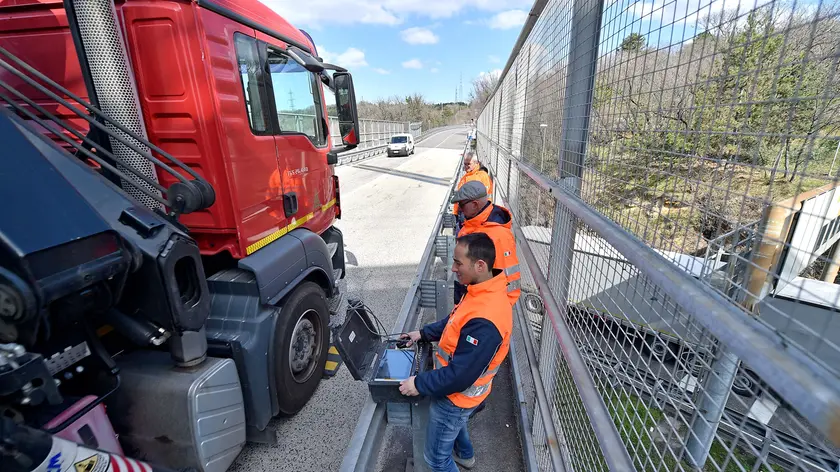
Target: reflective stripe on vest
column 512, row 270
column 443, row 355
column 442, row 359
column 514, row 285
column 484, row 301
column 477, row 390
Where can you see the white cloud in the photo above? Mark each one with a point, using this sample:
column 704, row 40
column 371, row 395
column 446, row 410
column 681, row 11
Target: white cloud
column 494, row 59
column 434, row 70
column 419, row 36
column 316, row 14
column 508, row 19
column 494, row 72
column 690, row 12
column 381, row 71
column 352, row 57
column 412, row 64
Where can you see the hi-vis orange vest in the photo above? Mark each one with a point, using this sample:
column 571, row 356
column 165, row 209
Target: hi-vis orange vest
column 485, row 300
column 478, row 175
column 505, row 243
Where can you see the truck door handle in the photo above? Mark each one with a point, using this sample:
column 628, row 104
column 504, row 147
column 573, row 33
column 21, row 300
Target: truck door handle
column 290, row 203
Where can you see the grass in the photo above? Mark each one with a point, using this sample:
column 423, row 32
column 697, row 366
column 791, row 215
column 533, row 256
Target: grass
column 637, row 423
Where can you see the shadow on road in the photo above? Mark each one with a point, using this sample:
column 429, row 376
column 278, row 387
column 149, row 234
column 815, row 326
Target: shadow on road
column 408, row 175
column 333, row 412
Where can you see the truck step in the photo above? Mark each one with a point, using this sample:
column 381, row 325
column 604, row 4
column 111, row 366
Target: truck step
column 333, row 363
column 338, row 305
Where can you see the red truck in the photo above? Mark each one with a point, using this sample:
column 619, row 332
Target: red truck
column 222, row 216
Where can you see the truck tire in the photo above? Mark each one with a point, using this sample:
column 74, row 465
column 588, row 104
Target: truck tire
column 302, row 340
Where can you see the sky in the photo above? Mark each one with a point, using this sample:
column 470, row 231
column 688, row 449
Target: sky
column 431, row 47
column 401, row 47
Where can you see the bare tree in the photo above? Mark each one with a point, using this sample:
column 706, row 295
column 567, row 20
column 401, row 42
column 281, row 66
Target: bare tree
column 483, row 87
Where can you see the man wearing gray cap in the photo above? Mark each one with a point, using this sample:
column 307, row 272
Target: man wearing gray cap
column 482, row 216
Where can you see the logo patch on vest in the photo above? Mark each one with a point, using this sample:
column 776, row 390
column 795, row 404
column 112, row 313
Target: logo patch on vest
column 472, row 340
column 507, row 253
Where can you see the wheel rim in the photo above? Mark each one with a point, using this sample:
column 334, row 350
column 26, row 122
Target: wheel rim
column 305, row 348
column 742, row 382
column 533, row 303
column 659, row 350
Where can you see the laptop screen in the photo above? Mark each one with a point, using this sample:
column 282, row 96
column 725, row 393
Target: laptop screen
column 396, row 364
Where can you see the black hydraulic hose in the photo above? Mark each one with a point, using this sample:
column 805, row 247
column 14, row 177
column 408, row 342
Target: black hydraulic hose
column 77, row 146
column 88, row 408
column 89, row 154
column 96, row 111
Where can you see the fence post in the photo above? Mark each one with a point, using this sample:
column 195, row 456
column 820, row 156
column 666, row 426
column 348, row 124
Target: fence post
column 513, row 179
column 714, row 395
column 574, row 134
column 710, row 409
column 500, row 96
column 363, row 137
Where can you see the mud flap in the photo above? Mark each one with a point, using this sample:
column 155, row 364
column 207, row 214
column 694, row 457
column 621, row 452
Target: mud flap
column 338, row 309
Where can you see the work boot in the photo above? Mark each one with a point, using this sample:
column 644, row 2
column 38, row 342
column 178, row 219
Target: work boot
column 465, row 463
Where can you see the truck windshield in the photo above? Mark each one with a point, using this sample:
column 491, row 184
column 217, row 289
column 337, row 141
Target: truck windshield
column 399, row 140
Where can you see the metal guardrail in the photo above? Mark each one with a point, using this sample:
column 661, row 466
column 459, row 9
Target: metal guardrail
column 357, row 155
column 374, row 133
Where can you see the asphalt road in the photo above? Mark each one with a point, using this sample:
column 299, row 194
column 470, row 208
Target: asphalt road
column 388, row 207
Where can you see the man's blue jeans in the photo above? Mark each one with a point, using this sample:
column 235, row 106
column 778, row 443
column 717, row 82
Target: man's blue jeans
column 447, row 431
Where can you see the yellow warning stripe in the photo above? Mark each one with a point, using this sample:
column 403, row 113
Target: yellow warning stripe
column 333, row 350
column 331, row 365
column 282, row 231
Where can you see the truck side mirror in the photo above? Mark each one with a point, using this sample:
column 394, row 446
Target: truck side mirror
column 348, row 115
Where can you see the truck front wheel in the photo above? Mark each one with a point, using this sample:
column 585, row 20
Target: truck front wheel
column 302, row 337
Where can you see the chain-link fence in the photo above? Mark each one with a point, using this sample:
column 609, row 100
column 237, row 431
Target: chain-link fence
column 374, row 133
column 671, row 167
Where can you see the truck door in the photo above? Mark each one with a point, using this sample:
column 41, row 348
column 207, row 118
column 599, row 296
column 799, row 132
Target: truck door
column 254, row 151
column 300, row 137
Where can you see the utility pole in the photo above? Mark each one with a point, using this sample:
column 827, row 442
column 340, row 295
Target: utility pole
column 291, row 100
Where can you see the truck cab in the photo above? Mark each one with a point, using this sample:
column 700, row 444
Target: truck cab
column 232, row 96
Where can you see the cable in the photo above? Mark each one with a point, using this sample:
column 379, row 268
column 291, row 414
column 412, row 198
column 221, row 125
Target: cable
column 387, row 337
column 379, row 323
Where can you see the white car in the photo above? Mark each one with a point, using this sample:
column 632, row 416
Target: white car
column 401, row 144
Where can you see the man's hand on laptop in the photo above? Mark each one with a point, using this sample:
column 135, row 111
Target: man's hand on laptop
column 412, row 338
column 407, row 387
